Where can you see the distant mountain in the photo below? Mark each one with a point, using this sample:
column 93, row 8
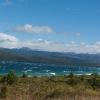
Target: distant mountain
column 69, row 57
column 9, row 56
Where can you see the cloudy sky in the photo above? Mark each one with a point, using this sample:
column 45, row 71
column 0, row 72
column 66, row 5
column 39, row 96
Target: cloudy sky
column 51, row 25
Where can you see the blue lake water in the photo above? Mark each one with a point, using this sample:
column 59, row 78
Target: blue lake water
column 39, row 69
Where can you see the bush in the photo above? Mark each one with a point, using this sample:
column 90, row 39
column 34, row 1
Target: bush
column 94, row 82
column 72, row 81
column 24, row 75
column 3, row 93
column 95, row 74
column 71, row 75
column 11, row 78
column 3, row 79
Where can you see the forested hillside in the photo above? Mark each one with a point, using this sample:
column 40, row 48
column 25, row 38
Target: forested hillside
column 9, row 56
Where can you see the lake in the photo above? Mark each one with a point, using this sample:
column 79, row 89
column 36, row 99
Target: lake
column 39, row 69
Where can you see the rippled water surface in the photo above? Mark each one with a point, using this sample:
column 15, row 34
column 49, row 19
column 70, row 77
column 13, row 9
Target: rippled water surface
column 38, row 69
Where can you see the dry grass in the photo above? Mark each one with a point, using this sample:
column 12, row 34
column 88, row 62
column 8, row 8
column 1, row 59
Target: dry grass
column 51, row 88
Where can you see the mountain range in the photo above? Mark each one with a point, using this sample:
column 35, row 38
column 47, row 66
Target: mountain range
column 37, row 56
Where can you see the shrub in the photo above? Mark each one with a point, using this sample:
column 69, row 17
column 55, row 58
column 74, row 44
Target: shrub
column 94, row 82
column 72, row 81
column 24, row 75
column 3, row 79
column 95, row 74
column 3, row 92
column 71, row 75
column 11, row 78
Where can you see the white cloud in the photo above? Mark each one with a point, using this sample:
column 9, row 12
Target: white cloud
column 70, row 34
column 7, row 2
column 6, row 37
column 9, row 41
column 34, row 30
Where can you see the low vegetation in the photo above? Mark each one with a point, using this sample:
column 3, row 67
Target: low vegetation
column 71, row 87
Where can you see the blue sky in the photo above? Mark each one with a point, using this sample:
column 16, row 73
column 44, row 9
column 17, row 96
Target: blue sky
column 51, row 25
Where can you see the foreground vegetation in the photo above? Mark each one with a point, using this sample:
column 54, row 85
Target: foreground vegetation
column 69, row 87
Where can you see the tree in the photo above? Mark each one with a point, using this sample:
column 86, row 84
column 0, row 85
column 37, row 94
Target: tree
column 71, row 75
column 73, row 80
column 11, row 78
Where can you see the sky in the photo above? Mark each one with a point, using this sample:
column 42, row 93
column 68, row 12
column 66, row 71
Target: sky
column 51, row 25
